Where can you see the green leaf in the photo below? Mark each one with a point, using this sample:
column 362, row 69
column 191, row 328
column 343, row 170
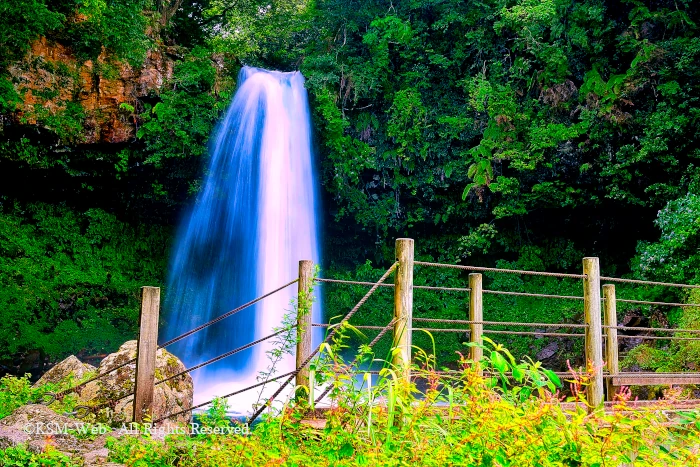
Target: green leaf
column 498, row 362
column 552, row 377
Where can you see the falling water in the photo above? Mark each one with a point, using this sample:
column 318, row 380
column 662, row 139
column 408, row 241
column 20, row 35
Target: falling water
column 253, row 220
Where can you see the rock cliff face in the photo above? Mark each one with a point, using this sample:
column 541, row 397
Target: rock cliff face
column 51, row 78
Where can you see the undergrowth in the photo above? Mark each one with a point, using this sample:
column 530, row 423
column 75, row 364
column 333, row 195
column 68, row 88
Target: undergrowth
column 16, row 392
column 513, row 416
column 500, row 413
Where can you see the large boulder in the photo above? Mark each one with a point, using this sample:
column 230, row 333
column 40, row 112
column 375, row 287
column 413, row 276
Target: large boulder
column 70, row 368
column 170, row 397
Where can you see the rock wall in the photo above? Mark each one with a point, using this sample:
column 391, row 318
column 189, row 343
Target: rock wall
column 50, row 77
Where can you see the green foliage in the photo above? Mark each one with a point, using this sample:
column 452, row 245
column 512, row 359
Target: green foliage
column 496, row 132
column 19, row 456
column 70, row 280
column 215, row 416
column 523, row 134
column 454, row 305
column 673, row 356
column 675, row 256
column 84, row 25
column 22, row 21
column 461, row 420
column 180, row 124
column 522, row 108
column 66, row 123
column 16, row 392
column 117, row 25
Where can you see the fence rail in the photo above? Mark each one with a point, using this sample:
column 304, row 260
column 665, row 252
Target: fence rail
column 599, row 329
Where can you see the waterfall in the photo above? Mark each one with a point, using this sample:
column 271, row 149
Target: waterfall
column 253, row 220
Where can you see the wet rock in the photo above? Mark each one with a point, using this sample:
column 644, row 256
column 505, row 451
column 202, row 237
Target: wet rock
column 71, row 367
column 548, row 351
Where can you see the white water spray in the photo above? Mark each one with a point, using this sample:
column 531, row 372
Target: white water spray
column 254, row 219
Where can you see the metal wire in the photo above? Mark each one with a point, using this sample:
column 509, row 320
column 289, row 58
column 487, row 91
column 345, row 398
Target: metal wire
column 440, row 330
column 636, row 281
column 319, row 325
column 327, row 339
column 515, row 333
column 643, row 302
column 371, row 344
column 224, row 355
column 634, row 328
column 660, row 338
column 226, row 315
column 58, row 395
column 529, row 333
column 503, row 323
column 424, row 287
column 526, row 294
column 447, row 289
column 87, row 409
column 224, row 397
column 338, row 281
column 509, row 271
column 437, row 320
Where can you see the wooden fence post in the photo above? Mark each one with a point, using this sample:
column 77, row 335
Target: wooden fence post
column 403, row 306
column 611, row 350
column 146, row 353
column 304, row 334
column 594, row 334
column 476, row 313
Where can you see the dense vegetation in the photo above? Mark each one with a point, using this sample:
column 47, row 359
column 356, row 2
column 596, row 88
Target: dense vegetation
column 463, row 420
column 517, row 133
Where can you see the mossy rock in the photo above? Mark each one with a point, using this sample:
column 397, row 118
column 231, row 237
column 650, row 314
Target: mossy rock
column 172, row 396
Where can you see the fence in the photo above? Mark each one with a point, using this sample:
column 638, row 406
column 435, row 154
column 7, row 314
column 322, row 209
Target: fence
column 599, row 330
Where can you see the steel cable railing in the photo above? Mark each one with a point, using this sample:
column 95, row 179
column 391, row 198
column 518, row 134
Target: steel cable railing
column 374, row 341
column 308, row 359
column 59, row 395
column 87, row 409
column 384, row 329
column 339, row 281
column 643, row 282
column 291, row 374
column 507, row 271
column 203, row 404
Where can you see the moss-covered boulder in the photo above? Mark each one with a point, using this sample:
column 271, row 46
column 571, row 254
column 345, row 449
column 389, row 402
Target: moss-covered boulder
column 169, row 397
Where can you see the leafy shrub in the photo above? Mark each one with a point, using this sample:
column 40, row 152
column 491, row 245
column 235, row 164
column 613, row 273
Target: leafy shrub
column 70, row 280
column 16, row 392
column 18, row 456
